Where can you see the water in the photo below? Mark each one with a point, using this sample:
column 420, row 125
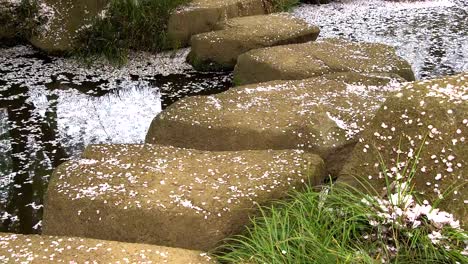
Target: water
column 432, row 35
column 51, row 108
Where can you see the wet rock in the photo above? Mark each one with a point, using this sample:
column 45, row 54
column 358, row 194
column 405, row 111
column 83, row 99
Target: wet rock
column 15, row 248
column 321, row 115
column 434, row 110
column 169, row 196
column 7, row 15
column 219, row 49
column 202, row 16
column 64, row 21
column 300, row 61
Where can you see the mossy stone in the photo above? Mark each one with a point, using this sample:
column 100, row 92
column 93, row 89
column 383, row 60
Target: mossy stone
column 434, row 110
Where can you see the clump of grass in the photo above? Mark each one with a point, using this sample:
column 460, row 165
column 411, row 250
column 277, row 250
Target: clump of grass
column 342, row 224
column 126, row 25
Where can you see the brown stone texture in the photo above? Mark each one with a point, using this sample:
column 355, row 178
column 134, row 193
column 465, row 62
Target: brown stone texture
column 426, row 116
column 301, row 61
column 321, row 115
column 202, row 15
column 59, row 33
column 218, row 50
column 170, row 196
column 35, row 249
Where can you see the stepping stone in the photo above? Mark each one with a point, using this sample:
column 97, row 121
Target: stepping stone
column 15, row 248
column 218, row 50
column 301, row 61
column 65, row 19
column 170, row 196
column 320, row 115
column 436, row 110
column 202, row 15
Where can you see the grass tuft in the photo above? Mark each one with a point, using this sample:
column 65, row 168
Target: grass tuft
column 126, row 25
column 342, row 224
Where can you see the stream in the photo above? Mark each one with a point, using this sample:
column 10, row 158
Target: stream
column 51, row 108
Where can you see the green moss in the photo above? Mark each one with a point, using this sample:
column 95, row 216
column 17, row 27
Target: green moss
column 237, row 81
column 127, row 25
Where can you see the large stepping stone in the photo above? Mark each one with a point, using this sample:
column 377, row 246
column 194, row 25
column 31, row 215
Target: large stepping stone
column 202, row 15
column 65, row 18
column 16, row 248
column 301, row 61
column 170, row 196
column 436, row 110
column 218, row 50
column 320, row 115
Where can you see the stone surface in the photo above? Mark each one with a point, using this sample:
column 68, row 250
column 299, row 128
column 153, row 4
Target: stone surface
column 7, row 14
column 169, row 196
column 65, row 18
column 16, row 248
column 436, row 110
column 202, row 16
column 300, row 61
column 321, row 115
column 219, row 49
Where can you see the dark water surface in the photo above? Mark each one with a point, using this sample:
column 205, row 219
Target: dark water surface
column 51, row 108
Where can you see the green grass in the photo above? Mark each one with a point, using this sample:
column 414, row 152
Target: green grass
column 128, row 24
column 310, row 228
column 342, row 224
column 136, row 25
column 284, row 5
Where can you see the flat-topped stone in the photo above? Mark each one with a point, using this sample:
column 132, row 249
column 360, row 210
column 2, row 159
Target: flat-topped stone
column 202, row 15
column 301, row 61
column 169, row 196
column 321, row 115
column 218, row 50
column 15, row 248
column 431, row 115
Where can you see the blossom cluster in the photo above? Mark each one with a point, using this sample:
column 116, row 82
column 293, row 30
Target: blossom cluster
column 399, row 213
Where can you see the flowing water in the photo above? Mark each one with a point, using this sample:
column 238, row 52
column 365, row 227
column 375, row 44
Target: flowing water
column 51, row 108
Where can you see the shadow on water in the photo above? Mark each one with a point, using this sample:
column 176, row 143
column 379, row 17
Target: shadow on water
column 176, row 86
column 43, row 125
